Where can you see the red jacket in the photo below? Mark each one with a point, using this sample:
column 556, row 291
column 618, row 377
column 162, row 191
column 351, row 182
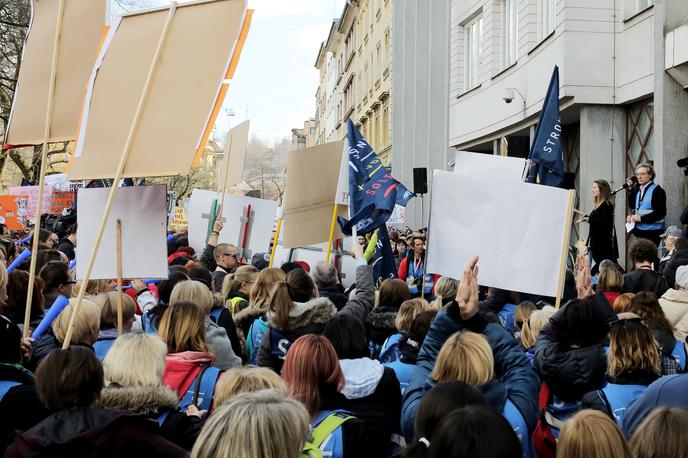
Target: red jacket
column 182, row 368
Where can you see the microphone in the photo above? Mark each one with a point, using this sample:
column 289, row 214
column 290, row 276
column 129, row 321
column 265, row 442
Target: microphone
column 633, row 179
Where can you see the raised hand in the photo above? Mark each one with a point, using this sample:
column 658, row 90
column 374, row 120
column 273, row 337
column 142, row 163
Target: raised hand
column 467, row 294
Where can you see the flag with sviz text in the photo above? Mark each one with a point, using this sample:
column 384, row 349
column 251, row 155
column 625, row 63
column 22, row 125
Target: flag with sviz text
column 546, row 162
column 373, row 192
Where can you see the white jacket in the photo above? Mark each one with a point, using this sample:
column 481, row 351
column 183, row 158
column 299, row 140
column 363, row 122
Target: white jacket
column 675, row 306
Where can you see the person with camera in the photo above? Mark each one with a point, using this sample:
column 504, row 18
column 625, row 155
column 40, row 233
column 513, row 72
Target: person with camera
column 648, row 201
column 602, row 237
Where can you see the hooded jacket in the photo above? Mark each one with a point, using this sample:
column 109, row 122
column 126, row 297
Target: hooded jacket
column 514, row 379
column 20, row 408
column 153, row 401
column 310, row 318
column 380, row 324
column 372, row 394
column 594, row 400
column 675, row 306
column 92, row 432
column 182, row 368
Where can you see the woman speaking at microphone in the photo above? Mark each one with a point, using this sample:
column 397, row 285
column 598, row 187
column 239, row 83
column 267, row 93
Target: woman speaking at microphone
column 602, row 236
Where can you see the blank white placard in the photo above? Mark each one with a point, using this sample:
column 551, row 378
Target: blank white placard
column 143, row 211
column 516, row 228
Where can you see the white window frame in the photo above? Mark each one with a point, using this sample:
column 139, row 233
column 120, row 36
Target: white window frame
column 548, row 17
column 473, row 37
column 510, row 31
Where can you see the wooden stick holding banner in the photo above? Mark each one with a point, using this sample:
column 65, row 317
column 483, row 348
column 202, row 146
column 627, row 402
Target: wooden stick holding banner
column 244, row 239
column 565, row 248
column 427, row 243
column 224, row 185
column 280, row 215
column 329, row 240
column 120, row 320
column 44, row 165
column 120, row 170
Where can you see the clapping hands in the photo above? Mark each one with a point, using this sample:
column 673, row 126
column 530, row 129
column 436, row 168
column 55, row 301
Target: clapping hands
column 467, row 294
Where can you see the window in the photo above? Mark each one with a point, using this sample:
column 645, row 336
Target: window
column 385, row 124
column 548, row 14
column 387, row 48
column 378, row 57
column 510, row 13
column 473, row 34
column 312, row 130
column 301, row 143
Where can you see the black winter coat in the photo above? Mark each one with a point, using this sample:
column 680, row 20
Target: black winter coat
column 20, row 408
column 380, row 324
column 602, row 238
column 645, row 280
column 678, row 259
column 335, row 294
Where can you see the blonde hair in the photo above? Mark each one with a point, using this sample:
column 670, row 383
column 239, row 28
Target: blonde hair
column 108, row 309
column 232, row 282
column 523, row 312
column 591, row 433
column 247, row 380
column 136, row 360
column 662, row 433
column 611, row 280
column 533, row 325
column 192, row 291
column 631, row 347
column 623, row 302
column 444, row 288
column 408, row 311
column 182, row 328
column 260, row 293
column 465, row 357
column 264, row 424
column 93, row 288
column 3, row 282
column 86, row 322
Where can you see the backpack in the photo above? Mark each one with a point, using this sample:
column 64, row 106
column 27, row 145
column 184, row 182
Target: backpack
column 5, row 386
column 390, row 349
column 544, row 442
column 201, row 391
column 327, row 436
column 255, row 335
column 215, row 313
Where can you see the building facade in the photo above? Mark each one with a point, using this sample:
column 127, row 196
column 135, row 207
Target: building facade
column 305, row 137
column 623, row 69
column 355, row 64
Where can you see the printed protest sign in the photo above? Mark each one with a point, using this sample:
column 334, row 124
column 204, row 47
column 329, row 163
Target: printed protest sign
column 9, row 212
column 31, row 193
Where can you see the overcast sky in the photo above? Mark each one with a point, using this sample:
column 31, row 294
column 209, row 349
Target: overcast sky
column 276, row 79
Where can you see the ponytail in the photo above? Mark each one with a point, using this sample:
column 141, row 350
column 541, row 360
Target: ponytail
column 527, row 337
column 281, row 304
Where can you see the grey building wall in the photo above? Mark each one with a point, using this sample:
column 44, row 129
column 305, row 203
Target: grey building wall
column 420, row 94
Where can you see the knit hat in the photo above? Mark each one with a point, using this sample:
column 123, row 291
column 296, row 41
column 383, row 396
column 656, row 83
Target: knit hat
column 682, row 277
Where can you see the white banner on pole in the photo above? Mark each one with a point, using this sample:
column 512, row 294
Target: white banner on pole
column 516, row 228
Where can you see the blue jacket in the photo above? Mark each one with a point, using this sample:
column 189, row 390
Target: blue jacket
column 515, row 379
column 669, row 391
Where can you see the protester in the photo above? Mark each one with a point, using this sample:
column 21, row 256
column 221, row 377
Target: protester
column 661, row 434
column 648, row 201
column 251, row 322
column 445, row 292
column 531, row 330
column 237, row 287
column 592, row 434
column 69, row 383
column 402, row 323
column 380, row 322
column 643, row 253
column 668, row 245
column 611, row 283
column 409, row 347
column 153, row 310
column 196, row 293
column 57, row 282
column 623, row 302
column 68, row 243
column 226, row 260
column 199, row 273
column 521, row 315
column 602, row 235
column 474, row 432
column 672, row 351
column 678, row 259
column 501, row 303
column 84, row 334
column 93, row 288
column 15, row 304
column 633, row 365
column 264, row 424
column 325, row 278
column 109, row 320
column 189, row 362
column 669, row 391
column 45, row 256
column 315, row 378
column 372, row 391
column 674, row 304
column 295, row 310
column 247, row 380
column 47, row 240
column 463, row 346
column 412, row 269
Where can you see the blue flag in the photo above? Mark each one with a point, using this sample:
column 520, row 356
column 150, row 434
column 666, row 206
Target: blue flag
column 372, row 191
column 546, row 163
column 383, row 263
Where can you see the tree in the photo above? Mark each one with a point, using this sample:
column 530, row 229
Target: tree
column 264, row 167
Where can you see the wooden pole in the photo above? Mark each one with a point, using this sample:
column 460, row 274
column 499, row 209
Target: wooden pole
column 120, row 169
column 44, row 166
column 275, row 241
column 224, row 185
column 565, row 248
column 120, row 318
column 329, row 240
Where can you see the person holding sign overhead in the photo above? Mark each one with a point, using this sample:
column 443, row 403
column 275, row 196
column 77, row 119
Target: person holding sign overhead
column 648, row 201
column 602, row 236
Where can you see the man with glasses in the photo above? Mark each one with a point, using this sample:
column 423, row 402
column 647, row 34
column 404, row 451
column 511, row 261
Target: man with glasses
column 648, row 201
column 226, row 259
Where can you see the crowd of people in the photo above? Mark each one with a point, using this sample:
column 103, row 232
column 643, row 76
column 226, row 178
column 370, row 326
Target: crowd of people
column 240, row 359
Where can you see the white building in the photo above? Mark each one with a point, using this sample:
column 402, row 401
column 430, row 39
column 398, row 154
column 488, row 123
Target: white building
column 623, row 67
